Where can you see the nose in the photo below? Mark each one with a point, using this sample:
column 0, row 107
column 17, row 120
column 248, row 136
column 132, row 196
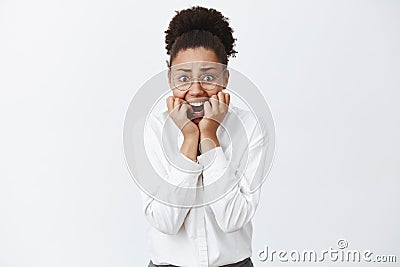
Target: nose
column 196, row 89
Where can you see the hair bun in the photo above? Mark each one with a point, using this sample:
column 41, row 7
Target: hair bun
column 200, row 18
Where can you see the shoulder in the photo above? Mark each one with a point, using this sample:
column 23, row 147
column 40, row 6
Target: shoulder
column 156, row 121
column 249, row 121
column 240, row 112
column 243, row 116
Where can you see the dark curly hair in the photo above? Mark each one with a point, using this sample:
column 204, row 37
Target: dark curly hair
column 200, row 27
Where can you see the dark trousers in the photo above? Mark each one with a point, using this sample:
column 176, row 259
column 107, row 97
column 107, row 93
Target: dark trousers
column 244, row 263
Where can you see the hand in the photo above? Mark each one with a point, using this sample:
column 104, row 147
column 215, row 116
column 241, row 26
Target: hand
column 214, row 113
column 177, row 109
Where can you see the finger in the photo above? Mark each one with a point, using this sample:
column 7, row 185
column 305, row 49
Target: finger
column 221, row 97
column 186, row 107
column 227, row 99
column 176, row 104
column 214, row 102
column 190, row 107
column 170, row 103
column 221, row 100
column 181, row 103
column 207, row 108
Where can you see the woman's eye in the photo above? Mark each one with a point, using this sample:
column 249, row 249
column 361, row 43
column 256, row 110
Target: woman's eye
column 183, row 79
column 208, row 78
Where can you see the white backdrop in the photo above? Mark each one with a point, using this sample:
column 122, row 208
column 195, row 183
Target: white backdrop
column 68, row 70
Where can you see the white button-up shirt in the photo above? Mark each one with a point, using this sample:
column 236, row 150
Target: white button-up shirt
column 216, row 234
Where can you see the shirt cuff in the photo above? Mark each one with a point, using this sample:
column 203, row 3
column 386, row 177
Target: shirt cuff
column 214, row 165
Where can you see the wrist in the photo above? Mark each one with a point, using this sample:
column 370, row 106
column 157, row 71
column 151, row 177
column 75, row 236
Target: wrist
column 192, row 137
column 208, row 135
column 190, row 146
column 208, row 142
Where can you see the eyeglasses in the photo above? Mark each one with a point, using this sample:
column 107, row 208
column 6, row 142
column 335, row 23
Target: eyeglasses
column 207, row 81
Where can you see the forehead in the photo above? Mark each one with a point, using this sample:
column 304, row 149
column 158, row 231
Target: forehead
column 194, row 54
column 197, row 66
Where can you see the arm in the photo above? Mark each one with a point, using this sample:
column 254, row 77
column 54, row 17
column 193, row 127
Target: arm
column 166, row 218
column 238, row 206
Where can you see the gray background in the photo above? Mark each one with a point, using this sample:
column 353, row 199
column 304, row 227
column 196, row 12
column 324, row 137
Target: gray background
column 68, row 70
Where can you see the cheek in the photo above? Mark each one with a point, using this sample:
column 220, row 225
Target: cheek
column 214, row 92
column 178, row 94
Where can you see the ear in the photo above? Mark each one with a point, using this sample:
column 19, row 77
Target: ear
column 169, row 73
column 226, row 78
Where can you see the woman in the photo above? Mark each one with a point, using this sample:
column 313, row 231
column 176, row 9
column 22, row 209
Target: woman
column 199, row 42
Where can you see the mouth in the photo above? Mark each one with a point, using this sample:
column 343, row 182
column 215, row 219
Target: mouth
column 198, row 108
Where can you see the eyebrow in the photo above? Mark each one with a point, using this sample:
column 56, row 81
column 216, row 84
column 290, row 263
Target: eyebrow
column 207, row 68
column 185, row 70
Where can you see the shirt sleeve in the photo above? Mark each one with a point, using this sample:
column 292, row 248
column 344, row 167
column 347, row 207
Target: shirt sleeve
column 239, row 205
column 166, row 218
